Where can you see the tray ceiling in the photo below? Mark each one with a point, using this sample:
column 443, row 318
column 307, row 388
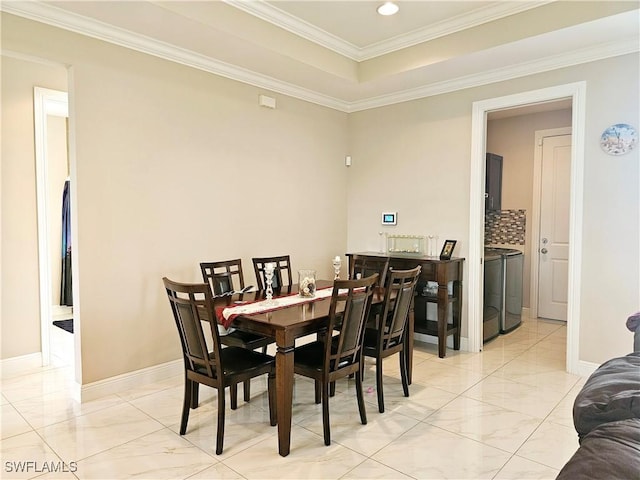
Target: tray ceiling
column 343, row 55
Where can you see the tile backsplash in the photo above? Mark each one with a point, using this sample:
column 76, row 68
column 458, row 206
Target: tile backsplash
column 505, row 227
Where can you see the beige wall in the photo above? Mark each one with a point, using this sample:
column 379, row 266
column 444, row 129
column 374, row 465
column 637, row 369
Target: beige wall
column 19, row 260
column 514, row 139
column 172, row 167
column 414, row 157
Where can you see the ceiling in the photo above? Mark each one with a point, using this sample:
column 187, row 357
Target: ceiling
column 343, row 55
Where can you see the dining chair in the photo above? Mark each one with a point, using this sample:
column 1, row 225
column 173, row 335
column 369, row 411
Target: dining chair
column 225, row 277
column 338, row 353
column 361, row 266
column 282, row 265
column 389, row 336
column 208, row 363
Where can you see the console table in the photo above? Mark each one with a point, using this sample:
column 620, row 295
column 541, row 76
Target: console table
column 433, row 270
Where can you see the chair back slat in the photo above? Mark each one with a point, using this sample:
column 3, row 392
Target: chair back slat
column 188, row 302
column 350, row 304
column 362, row 266
column 281, row 272
column 399, row 292
column 224, row 276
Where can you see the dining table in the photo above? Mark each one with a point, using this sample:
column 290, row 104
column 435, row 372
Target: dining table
column 286, row 323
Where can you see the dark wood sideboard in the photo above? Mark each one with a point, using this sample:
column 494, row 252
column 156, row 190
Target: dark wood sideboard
column 433, row 270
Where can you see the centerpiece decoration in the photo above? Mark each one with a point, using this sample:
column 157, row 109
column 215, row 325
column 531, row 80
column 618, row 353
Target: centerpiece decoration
column 307, row 283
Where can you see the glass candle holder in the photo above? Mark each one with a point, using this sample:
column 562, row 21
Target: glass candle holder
column 306, row 283
column 268, row 275
column 337, row 263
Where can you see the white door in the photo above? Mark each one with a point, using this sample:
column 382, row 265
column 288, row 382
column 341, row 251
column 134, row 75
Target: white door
column 553, row 248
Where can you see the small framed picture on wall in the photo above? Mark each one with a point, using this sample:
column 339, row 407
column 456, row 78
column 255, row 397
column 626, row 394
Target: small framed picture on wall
column 447, row 249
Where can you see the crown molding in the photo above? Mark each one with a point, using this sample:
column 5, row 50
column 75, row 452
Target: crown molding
column 295, row 25
column 448, row 27
column 92, row 28
column 47, row 14
column 555, row 62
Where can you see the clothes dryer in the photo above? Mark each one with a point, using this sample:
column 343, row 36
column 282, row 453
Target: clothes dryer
column 493, row 298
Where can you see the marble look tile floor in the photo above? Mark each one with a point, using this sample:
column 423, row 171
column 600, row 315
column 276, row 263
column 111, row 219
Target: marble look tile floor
column 504, row 413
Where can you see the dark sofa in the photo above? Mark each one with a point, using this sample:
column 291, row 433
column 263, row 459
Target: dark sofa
column 606, row 415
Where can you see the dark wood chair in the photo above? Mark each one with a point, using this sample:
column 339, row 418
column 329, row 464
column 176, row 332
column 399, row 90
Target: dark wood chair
column 212, row 365
column 361, row 266
column 225, row 277
column 338, row 354
column 389, row 335
column 282, row 268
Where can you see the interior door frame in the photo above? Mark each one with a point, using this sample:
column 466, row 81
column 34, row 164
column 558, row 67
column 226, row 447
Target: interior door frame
column 535, row 210
column 577, row 93
column 45, row 102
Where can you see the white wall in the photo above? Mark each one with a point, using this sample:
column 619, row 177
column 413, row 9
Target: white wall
column 20, row 321
column 414, row 157
column 172, row 166
column 57, row 171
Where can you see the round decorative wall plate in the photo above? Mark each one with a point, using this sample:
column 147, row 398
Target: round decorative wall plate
column 619, row 139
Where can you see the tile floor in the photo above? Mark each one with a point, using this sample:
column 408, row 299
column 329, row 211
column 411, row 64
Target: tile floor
column 504, row 413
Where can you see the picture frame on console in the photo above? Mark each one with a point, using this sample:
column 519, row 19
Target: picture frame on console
column 447, row 249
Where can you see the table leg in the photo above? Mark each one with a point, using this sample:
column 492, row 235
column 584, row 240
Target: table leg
column 284, row 391
column 457, row 312
column 409, row 334
column 443, row 304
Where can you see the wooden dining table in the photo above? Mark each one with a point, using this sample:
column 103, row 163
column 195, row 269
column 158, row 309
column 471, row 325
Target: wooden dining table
column 285, row 325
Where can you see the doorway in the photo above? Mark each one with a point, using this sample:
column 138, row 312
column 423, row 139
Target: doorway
column 52, row 171
column 577, row 93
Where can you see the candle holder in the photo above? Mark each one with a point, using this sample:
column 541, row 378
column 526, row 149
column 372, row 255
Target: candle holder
column 337, row 263
column 382, row 242
column 268, row 275
column 433, row 245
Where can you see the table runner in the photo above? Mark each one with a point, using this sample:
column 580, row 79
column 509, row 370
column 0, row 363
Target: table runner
column 225, row 315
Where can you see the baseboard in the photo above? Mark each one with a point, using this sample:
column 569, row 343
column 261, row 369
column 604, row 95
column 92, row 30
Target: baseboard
column 526, row 311
column 586, row 368
column 17, row 365
column 127, row 381
column 61, row 310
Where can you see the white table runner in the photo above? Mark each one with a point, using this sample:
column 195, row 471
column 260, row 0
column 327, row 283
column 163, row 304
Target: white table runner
column 263, row 306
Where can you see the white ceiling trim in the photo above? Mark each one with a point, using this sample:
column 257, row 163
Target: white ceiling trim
column 296, row 26
column 577, row 57
column 76, row 23
column 92, row 28
column 447, row 27
column 282, row 19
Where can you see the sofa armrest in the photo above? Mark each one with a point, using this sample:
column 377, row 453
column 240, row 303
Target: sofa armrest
column 610, row 394
column 633, row 324
column 610, row 451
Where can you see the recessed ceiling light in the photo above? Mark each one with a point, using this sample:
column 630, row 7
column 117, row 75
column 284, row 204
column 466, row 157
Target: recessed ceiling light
column 388, row 8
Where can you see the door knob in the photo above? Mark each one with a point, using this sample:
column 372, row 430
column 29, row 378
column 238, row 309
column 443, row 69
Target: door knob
column 544, row 250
